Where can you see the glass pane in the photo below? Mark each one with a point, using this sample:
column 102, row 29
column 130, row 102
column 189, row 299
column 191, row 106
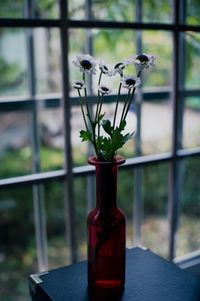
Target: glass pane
column 47, row 9
column 156, row 126
column 155, row 224
column 192, row 59
column 50, row 132
column 188, row 239
column 159, row 44
column 125, row 192
column 47, row 60
column 12, row 9
column 157, row 11
column 191, row 122
column 76, row 9
column 15, row 146
column 13, row 62
column 114, row 10
column 193, row 12
column 81, row 184
column 58, row 246
column 17, row 243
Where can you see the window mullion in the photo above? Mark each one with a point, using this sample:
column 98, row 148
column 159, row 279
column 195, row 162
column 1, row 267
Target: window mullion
column 174, row 174
column 138, row 171
column 66, row 106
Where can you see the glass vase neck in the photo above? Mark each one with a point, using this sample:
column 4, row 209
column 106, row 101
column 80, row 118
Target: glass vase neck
column 106, row 182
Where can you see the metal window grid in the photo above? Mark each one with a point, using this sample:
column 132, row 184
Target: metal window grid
column 37, row 179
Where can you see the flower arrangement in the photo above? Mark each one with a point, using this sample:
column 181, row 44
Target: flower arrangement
column 107, row 136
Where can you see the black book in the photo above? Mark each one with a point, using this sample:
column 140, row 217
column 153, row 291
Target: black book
column 148, row 278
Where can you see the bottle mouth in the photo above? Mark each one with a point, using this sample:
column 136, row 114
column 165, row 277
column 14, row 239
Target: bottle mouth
column 118, row 160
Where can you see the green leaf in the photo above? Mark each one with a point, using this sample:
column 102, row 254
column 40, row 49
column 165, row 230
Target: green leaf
column 106, row 124
column 85, row 135
column 122, row 125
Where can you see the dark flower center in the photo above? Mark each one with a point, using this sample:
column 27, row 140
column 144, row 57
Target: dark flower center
column 130, row 81
column 119, row 65
column 142, row 58
column 86, row 64
column 103, row 68
column 104, row 89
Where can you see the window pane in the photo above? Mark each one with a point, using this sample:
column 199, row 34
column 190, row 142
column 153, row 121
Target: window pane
column 13, row 62
column 193, row 12
column 12, row 9
column 15, row 146
column 17, row 243
column 157, row 11
column 58, row 245
column 156, row 126
column 81, row 214
column 47, row 9
column 155, row 225
column 191, row 122
column 159, row 44
column 114, row 10
column 188, row 239
column 125, row 193
column 76, row 9
column 192, row 59
column 50, row 132
column 47, row 60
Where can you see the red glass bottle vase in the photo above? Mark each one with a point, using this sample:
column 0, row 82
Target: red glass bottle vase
column 106, row 230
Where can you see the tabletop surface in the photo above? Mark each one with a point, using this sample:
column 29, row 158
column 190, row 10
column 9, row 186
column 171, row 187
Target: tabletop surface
column 148, row 278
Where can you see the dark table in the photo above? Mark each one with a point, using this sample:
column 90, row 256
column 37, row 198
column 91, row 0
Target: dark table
column 148, row 278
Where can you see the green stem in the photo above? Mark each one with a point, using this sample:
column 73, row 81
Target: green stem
column 128, row 105
column 98, row 101
column 92, row 124
column 83, row 113
column 99, row 115
column 125, row 104
column 117, row 103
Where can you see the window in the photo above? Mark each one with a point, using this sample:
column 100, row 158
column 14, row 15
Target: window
column 46, row 188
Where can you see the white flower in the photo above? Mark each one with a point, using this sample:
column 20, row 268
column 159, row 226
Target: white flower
column 130, row 81
column 143, row 61
column 119, row 67
column 85, row 63
column 104, row 69
column 103, row 89
column 78, row 84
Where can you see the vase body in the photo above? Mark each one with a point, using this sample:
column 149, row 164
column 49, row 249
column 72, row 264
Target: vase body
column 106, row 231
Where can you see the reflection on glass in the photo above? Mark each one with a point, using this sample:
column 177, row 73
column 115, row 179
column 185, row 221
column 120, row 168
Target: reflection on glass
column 155, row 195
column 192, row 59
column 47, row 60
column 188, row 239
column 157, row 11
column 15, row 146
column 17, row 247
column 191, row 122
column 193, row 12
column 13, row 62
